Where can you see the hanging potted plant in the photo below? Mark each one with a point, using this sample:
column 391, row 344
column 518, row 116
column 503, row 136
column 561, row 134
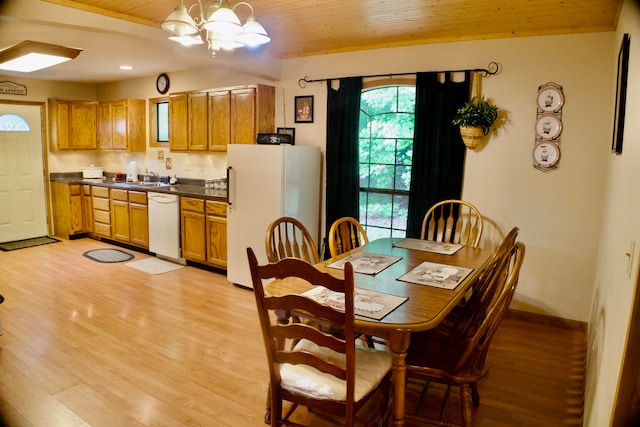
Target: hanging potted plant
column 475, row 119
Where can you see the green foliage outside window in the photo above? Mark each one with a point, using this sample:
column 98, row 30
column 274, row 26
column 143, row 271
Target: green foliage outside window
column 385, row 150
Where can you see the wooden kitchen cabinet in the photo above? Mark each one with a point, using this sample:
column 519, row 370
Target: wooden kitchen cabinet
column 204, row 231
column 101, row 211
column 211, row 120
column 216, row 227
column 219, row 120
column 87, row 209
column 105, row 126
column 252, row 112
column 129, row 217
column 139, row 219
column 178, row 122
column 67, row 209
column 198, row 118
column 72, row 125
column 192, row 220
column 122, row 125
column 120, row 215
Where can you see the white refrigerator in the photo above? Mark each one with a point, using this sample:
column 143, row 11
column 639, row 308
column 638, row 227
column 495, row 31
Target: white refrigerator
column 266, row 182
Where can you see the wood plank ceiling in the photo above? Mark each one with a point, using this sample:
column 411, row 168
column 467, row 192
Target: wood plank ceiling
column 306, row 27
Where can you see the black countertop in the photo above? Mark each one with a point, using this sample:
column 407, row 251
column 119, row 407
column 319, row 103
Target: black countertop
column 190, row 188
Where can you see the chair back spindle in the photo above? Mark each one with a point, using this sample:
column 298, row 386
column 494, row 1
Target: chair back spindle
column 453, row 221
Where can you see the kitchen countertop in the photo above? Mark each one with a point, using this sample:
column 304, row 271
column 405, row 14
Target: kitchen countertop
column 187, row 189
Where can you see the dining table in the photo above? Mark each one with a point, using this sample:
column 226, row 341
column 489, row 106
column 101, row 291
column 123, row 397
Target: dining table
column 423, row 307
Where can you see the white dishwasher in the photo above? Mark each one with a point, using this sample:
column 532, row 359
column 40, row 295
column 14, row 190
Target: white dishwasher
column 164, row 225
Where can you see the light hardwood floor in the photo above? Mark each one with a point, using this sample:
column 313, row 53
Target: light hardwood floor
column 93, row 344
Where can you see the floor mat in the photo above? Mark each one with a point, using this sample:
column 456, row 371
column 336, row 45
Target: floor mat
column 27, row 243
column 108, row 255
column 154, row 265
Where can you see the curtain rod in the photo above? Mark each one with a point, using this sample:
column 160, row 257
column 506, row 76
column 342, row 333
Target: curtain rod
column 492, row 68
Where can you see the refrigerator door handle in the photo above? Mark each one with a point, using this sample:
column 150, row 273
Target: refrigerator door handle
column 228, row 186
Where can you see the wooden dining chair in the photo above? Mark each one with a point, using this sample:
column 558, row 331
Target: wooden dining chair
column 453, row 221
column 288, row 238
column 345, row 234
column 464, row 318
column 460, row 360
column 321, row 371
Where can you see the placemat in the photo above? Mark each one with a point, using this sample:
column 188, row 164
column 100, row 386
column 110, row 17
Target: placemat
column 366, row 263
column 429, row 246
column 437, row 275
column 371, row 304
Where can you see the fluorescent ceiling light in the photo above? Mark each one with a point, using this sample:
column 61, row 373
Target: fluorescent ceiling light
column 29, row 56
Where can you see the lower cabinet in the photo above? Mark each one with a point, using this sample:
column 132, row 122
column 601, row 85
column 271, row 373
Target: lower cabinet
column 204, row 231
column 216, row 233
column 139, row 219
column 87, row 209
column 129, row 220
column 67, row 207
column 101, row 211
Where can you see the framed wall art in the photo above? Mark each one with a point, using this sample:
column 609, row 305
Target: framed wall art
column 621, row 95
column 304, row 109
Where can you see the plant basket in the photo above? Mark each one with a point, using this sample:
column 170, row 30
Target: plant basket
column 471, row 135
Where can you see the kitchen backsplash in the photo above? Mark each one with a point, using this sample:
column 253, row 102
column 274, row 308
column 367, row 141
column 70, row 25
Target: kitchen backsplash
column 183, row 165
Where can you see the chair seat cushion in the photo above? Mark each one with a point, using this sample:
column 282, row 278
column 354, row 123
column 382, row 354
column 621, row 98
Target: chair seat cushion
column 371, row 367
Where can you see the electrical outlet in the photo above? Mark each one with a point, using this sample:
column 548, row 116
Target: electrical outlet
column 630, row 256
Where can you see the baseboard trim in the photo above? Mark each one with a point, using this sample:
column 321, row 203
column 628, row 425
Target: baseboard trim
column 547, row 320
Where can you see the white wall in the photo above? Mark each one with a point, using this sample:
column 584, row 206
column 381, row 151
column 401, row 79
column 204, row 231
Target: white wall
column 616, row 280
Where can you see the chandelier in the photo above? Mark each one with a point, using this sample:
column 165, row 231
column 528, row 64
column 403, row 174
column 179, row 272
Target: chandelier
column 217, row 23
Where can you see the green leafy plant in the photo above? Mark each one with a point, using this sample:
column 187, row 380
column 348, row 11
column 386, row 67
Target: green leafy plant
column 476, row 114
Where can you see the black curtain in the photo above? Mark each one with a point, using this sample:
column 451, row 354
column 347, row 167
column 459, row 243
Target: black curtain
column 343, row 115
column 438, row 151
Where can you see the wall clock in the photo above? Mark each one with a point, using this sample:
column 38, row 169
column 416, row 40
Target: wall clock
column 162, row 83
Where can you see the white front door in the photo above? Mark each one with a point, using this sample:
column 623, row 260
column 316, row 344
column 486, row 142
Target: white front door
column 23, row 212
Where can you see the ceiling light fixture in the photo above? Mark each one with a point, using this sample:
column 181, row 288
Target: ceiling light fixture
column 28, row 56
column 218, row 24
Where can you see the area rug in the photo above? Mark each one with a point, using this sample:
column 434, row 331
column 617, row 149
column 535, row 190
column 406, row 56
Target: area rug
column 154, row 265
column 27, row 243
column 108, row 255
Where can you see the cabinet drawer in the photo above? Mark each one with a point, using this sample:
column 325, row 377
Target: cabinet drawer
column 86, row 190
column 190, row 204
column 103, row 229
column 120, row 195
column 74, row 189
column 138, row 197
column 100, row 191
column 216, row 208
column 101, row 204
column 102, row 216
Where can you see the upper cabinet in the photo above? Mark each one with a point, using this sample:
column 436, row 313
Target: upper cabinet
column 122, row 125
column 178, row 119
column 85, row 125
column 72, row 125
column 220, row 120
column 211, row 120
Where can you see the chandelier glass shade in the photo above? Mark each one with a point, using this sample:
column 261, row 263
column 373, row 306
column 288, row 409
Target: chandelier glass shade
column 218, row 24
